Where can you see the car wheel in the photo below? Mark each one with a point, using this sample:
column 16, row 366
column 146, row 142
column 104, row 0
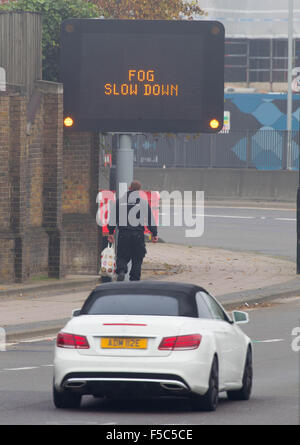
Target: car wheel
column 65, row 400
column 209, row 401
column 245, row 392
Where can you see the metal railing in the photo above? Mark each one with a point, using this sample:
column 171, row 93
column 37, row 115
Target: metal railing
column 259, row 149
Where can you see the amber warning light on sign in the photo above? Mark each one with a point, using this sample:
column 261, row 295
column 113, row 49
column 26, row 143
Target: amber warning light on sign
column 68, row 122
column 214, row 124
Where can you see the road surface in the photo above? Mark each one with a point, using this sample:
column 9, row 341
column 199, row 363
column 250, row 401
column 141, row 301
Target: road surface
column 26, row 378
column 268, row 231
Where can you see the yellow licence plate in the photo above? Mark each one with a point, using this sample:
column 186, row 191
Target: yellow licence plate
column 124, row 343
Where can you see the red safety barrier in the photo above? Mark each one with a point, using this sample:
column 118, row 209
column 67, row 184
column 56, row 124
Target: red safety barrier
column 107, row 159
column 108, row 196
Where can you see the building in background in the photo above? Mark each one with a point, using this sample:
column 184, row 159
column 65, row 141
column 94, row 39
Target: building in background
column 256, row 41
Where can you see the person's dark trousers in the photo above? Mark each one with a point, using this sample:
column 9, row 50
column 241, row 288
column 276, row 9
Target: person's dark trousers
column 131, row 246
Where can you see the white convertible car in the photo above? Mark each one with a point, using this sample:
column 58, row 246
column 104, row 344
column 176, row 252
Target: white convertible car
column 152, row 339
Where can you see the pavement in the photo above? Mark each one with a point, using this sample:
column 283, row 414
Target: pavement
column 237, row 279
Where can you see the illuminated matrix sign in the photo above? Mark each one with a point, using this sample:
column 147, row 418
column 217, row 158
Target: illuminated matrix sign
column 143, row 76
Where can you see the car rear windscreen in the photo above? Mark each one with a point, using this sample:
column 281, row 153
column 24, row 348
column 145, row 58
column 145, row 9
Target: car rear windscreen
column 137, row 304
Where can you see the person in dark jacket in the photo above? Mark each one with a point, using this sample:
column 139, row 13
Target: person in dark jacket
column 132, row 214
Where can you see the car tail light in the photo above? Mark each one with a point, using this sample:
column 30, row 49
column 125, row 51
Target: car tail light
column 81, row 342
column 70, row 341
column 181, row 343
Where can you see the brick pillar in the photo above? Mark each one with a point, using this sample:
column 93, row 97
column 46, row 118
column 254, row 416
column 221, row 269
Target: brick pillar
column 18, row 182
column 7, row 272
column 53, row 169
column 81, row 171
column 31, row 144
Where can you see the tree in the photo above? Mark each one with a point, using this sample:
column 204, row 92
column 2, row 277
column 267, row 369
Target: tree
column 53, row 13
column 149, row 9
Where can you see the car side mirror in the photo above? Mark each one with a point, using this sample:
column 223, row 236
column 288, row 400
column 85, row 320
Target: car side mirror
column 240, row 317
column 76, row 313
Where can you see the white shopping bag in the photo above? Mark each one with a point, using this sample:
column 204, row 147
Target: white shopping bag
column 108, row 262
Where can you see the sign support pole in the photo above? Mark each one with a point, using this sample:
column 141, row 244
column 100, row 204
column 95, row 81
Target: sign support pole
column 124, row 169
column 124, row 174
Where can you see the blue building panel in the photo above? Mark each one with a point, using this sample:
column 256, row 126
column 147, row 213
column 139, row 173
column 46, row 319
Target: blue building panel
column 256, row 114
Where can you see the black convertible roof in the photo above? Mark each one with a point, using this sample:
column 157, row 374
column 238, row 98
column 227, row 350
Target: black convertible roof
column 183, row 292
column 144, row 287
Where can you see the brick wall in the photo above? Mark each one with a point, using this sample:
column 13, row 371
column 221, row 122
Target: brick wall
column 77, row 174
column 48, row 189
column 53, row 171
column 6, row 238
column 47, row 225
column 24, row 240
column 4, row 162
column 80, row 188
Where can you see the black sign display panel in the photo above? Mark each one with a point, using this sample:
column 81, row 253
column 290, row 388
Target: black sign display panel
column 143, row 76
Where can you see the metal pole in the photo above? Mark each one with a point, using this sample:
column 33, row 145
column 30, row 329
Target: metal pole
column 124, row 169
column 290, row 97
column 271, row 63
column 124, row 174
column 298, row 209
column 298, row 228
column 290, row 79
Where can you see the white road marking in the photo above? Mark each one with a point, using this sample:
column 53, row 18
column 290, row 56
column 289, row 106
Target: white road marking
column 38, row 339
column 169, row 214
column 32, row 340
column 21, row 369
column 26, row 368
column 234, row 217
column 212, row 216
column 262, row 209
column 275, row 340
column 84, row 423
column 227, row 216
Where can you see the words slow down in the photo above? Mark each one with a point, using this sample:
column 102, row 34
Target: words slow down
column 141, row 83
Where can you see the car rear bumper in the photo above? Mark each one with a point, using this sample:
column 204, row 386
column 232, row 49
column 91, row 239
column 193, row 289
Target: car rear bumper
column 178, row 375
column 126, row 384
